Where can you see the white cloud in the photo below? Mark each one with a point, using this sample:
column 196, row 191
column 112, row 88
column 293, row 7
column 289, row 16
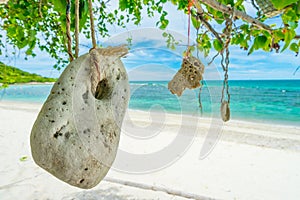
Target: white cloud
column 151, row 72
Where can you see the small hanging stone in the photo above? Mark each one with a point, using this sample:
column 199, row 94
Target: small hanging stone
column 76, row 134
column 189, row 75
column 225, row 111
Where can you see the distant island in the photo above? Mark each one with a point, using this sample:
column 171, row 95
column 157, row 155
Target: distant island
column 12, row 75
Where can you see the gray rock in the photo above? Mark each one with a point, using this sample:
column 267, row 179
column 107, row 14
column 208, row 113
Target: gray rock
column 76, row 134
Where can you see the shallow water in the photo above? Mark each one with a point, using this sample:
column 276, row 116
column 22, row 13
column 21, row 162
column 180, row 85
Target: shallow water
column 274, row 101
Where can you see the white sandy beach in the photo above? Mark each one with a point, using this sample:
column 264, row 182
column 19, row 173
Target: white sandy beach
column 249, row 161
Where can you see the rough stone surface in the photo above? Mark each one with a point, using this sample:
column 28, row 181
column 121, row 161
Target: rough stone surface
column 225, row 111
column 76, row 134
column 188, row 76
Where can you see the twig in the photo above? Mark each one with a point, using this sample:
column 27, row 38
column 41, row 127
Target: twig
column 239, row 14
column 40, row 9
column 158, row 188
column 212, row 60
column 206, row 24
column 296, row 70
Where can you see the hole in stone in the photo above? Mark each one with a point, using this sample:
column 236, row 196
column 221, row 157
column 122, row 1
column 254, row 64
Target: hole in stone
column 86, row 169
column 103, row 90
column 81, row 181
column 64, row 103
column 85, row 97
column 67, row 135
column 63, row 89
column 55, row 135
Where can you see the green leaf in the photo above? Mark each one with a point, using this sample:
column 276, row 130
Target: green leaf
column 288, row 37
column 23, row 158
column 217, row 45
column 83, row 13
column 294, row 47
column 239, row 2
column 122, row 5
column 280, row 4
column 260, row 41
column 196, row 23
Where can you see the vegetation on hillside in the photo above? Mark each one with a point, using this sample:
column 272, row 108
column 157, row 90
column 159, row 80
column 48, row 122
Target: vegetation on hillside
column 11, row 75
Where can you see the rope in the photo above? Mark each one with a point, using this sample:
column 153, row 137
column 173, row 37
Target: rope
column 190, row 3
column 92, row 24
column 189, row 22
column 40, row 9
column 201, row 83
column 68, row 30
column 76, row 28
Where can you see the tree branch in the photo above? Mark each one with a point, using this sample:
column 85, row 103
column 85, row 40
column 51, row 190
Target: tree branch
column 169, row 191
column 221, row 7
column 206, row 24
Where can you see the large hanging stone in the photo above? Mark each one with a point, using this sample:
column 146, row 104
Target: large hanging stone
column 76, row 134
column 189, row 75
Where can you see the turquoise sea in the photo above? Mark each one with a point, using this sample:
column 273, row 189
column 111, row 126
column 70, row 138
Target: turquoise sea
column 273, row 101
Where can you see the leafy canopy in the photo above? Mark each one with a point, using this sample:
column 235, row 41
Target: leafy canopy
column 32, row 24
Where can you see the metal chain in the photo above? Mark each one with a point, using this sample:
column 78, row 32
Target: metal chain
column 227, row 32
column 226, row 74
column 68, row 30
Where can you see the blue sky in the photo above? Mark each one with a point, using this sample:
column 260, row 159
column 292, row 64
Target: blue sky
column 150, row 59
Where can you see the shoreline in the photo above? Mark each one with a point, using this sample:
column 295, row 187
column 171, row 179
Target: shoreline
column 32, row 83
column 275, row 136
column 248, row 160
column 23, row 104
